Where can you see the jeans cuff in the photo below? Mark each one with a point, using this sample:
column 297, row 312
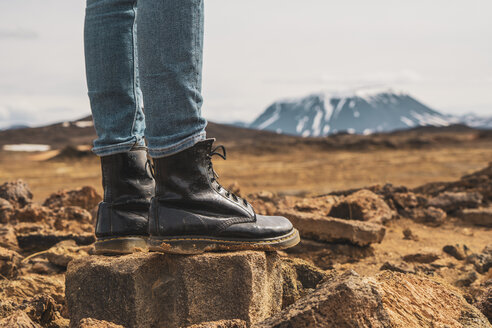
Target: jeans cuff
column 177, row 147
column 122, row 147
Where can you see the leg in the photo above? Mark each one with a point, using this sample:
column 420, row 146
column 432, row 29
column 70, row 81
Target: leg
column 112, row 75
column 112, row 78
column 170, row 46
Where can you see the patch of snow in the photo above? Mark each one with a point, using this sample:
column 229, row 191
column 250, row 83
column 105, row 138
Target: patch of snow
column 356, row 113
column 351, row 131
column 272, row 119
column 317, row 122
column 339, row 107
column 83, row 124
column 367, row 132
column 26, row 147
column 407, row 121
column 326, row 129
column 352, row 104
column 306, row 133
column 66, row 124
column 301, row 123
column 279, row 131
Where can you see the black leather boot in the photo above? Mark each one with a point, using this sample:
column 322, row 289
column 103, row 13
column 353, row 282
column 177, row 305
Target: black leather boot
column 123, row 215
column 192, row 213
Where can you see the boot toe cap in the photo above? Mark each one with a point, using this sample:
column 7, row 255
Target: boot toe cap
column 265, row 227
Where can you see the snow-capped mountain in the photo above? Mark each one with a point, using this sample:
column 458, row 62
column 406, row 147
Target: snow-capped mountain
column 360, row 112
column 476, row 121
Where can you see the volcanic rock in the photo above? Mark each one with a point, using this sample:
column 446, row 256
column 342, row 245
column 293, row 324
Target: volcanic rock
column 484, row 304
column 18, row 319
column 299, row 278
column 8, row 239
column 466, row 279
column 85, row 197
column 6, row 211
column 430, row 216
column 401, row 267
column 16, row 192
column 482, row 261
column 389, row 299
column 329, row 229
column 94, row 323
column 152, row 289
column 64, row 252
column 457, row 251
column 362, row 205
column 10, row 262
column 453, row 201
column 421, row 257
column 478, row 216
column 34, row 213
column 221, row 324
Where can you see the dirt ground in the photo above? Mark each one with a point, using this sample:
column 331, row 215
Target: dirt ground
column 295, row 171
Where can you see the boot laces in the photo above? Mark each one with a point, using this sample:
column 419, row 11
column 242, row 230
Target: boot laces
column 215, row 176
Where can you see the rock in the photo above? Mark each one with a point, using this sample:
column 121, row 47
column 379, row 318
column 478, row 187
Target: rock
column 74, row 213
column 221, row 324
column 401, row 267
column 326, row 255
column 8, row 239
column 10, row 263
column 33, row 213
column 466, row 279
column 408, row 234
column 6, row 210
column 362, row 205
column 421, row 257
column 482, row 261
column 64, row 252
column 389, row 299
column 152, row 289
column 453, row 201
column 484, row 304
column 94, row 323
column 85, row 197
column 43, row 240
column 328, row 229
column 457, row 251
column 31, row 285
column 18, row 320
column 299, row 278
column 478, row 216
column 16, row 192
column 430, row 216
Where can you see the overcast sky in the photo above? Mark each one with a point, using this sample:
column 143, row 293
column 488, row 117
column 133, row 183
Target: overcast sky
column 257, row 51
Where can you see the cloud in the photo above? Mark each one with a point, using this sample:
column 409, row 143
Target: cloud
column 19, row 34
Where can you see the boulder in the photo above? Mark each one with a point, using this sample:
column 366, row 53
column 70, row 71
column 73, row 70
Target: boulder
column 362, row 205
column 453, row 201
column 389, row 299
column 329, row 229
column 16, row 192
column 155, row 290
column 85, row 197
column 34, row 213
column 478, row 216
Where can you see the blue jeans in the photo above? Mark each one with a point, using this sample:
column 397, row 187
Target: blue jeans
column 159, row 65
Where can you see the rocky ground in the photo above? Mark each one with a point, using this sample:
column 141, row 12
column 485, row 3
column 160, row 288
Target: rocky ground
column 381, row 256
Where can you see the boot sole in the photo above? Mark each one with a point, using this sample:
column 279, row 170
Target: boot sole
column 199, row 244
column 121, row 245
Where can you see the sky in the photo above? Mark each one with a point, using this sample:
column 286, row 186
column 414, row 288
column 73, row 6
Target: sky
column 258, row 51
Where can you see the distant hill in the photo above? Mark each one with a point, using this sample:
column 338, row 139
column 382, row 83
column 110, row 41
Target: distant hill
column 361, row 113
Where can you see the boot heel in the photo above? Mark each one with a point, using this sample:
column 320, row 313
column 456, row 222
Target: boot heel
column 121, row 245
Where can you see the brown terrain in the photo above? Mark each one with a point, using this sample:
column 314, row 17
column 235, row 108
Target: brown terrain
column 396, row 232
